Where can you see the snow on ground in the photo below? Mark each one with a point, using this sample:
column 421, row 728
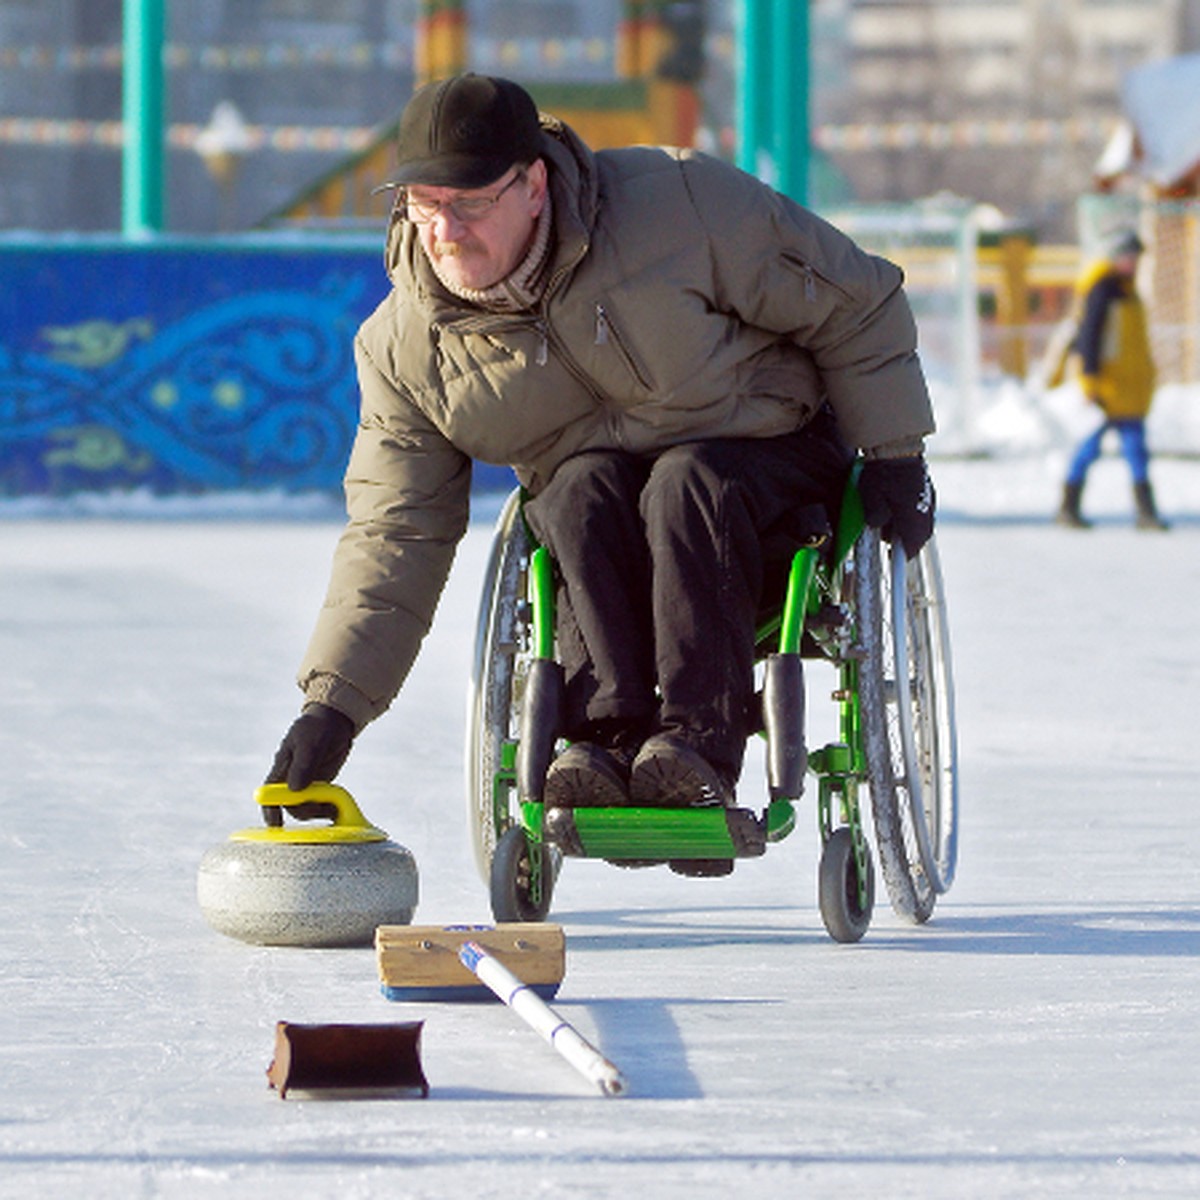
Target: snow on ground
column 1038, row 1038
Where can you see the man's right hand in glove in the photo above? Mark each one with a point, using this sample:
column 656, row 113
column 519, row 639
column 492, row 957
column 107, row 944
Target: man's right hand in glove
column 899, row 500
column 314, row 748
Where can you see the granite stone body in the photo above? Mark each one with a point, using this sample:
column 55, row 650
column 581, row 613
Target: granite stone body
column 306, row 895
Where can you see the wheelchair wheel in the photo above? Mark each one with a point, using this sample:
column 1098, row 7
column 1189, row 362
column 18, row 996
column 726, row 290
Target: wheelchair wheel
column 514, row 894
column 907, row 711
column 846, row 914
column 500, row 659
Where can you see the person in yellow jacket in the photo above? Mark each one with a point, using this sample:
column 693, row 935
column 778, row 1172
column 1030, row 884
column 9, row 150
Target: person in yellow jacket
column 1112, row 350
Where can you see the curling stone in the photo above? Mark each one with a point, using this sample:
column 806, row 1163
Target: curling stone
column 307, row 885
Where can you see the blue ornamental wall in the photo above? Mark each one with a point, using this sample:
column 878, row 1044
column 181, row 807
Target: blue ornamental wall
column 182, row 366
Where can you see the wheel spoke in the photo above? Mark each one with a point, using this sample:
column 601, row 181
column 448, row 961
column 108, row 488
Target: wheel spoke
column 496, row 683
column 907, row 718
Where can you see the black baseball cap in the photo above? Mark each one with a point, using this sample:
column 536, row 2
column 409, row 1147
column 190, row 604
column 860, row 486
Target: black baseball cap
column 465, row 132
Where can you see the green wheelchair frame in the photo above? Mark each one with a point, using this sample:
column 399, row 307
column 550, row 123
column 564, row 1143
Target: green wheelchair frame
column 877, row 617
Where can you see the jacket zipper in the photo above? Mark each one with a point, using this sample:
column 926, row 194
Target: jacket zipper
column 546, row 339
column 601, row 326
column 481, row 324
column 607, row 332
column 811, row 276
column 547, row 333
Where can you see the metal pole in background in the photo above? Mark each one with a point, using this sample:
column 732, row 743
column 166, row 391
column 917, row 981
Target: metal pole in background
column 772, row 93
column 789, row 97
column 142, row 116
column 753, row 62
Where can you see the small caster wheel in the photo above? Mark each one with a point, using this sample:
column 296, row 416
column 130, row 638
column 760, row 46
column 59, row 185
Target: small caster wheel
column 846, row 917
column 513, row 893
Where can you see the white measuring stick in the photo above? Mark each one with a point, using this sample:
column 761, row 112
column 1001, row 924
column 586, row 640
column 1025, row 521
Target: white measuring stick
column 532, row 1009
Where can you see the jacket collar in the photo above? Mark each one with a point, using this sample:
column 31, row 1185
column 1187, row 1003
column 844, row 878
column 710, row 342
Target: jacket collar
column 575, row 184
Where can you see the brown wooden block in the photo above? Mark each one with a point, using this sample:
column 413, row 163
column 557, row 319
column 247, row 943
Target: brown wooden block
column 425, row 957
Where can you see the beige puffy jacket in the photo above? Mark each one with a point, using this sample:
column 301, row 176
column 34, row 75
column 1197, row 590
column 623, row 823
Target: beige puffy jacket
column 685, row 301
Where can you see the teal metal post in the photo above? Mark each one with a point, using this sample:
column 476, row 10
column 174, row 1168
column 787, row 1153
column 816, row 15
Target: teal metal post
column 789, row 97
column 772, row 93
column 142, row 114
column 753, row 59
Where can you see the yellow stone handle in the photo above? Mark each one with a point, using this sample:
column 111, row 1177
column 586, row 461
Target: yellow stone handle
column 349, row 823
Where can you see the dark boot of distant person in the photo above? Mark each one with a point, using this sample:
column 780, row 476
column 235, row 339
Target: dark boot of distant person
column 1068, row 513
column 1147, row 511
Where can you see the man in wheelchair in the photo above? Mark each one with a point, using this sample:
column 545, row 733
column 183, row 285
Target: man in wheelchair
column 680, row 365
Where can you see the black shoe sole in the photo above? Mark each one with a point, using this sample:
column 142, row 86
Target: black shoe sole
column 579, row 780
column 669, row 776
column 702, row 868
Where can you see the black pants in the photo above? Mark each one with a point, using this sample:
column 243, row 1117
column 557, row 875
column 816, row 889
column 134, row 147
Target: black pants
column 662, row 563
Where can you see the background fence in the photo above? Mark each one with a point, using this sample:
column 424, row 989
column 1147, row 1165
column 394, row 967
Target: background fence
column 181, row 365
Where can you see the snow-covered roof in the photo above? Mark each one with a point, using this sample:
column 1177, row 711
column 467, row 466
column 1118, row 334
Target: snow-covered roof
column 1162, row 102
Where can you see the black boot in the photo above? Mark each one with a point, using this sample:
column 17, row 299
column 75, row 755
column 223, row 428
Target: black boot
column 1147, row 513
column 585, row 775
column 1068, row 513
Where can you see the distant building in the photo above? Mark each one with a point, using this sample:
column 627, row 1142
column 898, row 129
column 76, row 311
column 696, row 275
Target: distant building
column 1009, row 102
column 309, row 77
column 1004, row 101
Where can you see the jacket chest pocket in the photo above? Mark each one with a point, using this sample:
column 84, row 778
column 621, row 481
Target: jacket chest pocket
column 609, row 334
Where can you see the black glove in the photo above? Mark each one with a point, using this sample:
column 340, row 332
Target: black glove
column 314, row 748
column 899, row 500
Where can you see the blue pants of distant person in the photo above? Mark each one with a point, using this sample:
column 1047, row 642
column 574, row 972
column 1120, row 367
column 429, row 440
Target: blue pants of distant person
column 1132, row 432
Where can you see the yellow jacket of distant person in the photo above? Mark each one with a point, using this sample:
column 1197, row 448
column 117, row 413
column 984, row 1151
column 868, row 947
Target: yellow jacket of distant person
column 1111, row 349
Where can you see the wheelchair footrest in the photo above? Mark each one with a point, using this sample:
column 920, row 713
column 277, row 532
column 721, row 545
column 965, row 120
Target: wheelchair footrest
column 657, row 834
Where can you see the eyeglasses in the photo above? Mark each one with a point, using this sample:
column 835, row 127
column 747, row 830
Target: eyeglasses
column 422, row 211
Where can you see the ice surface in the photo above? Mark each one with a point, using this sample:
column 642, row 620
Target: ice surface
column 1040, row 1037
